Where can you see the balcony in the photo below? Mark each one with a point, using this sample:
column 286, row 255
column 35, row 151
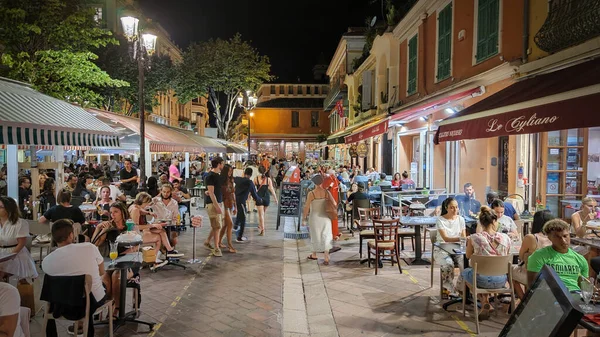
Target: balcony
column 338, row 91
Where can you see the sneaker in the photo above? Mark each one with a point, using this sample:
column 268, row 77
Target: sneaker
column 174, row 253
column 208, row 246
column 217, row 252
column 70, row 330
column 160, row 256
column 158, row 265
column 158, row 260
column 241, row 240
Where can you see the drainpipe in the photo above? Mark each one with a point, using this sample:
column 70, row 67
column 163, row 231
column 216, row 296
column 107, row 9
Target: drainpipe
column 525, row 30
column 424, row 25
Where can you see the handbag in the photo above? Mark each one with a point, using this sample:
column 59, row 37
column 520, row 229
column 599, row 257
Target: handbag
column 26, row 293
column 331, row 208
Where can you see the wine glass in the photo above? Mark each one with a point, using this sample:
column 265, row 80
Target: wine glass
column 114, row 253
column 587, row 293
column 87, row 198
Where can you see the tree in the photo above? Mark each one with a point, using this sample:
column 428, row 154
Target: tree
column 50, row 44
column 222, row 69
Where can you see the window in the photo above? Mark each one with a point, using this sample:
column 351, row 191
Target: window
column 308, row 88
column 314, row 119
column 98, row 16
column 295, row 119
column 290, row 90
column 488, row 27
column 272, row 90
column 444, row 42
column 281, row 92
column 412, row 65
column 299, row 90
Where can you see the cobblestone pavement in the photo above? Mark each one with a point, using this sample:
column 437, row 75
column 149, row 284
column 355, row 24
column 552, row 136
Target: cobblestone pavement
column 269, row 288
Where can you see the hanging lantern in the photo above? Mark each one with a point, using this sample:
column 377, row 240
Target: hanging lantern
column 149, row 42
column 130, row 27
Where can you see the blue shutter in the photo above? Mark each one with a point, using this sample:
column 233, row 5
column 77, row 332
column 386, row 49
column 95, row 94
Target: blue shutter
column 412, row 65
column 444, row 42
column 488, row 25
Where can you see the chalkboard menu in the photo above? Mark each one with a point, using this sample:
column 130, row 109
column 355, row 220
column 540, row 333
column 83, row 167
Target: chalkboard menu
column 290, row 199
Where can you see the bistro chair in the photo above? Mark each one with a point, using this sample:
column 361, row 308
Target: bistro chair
column 489, row 266
column 356, row 204
column 386, row 240
column 365, row 225
column 397, row 212
column 433, row 239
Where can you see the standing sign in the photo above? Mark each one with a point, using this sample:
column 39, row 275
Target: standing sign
column 290, row 202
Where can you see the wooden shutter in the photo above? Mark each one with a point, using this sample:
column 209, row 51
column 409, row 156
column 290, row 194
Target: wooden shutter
column 488, row 25
column 366, row 90
column 412, row 65
column 444, row 42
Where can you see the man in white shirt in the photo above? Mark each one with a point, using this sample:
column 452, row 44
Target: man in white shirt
column 10, row 306
column 71, row 259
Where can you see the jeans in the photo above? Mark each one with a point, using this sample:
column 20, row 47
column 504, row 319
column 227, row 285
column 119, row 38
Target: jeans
column 484, row 282
column 240, row 219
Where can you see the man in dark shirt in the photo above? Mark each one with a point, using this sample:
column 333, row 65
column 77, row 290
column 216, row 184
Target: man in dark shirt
column 467, row 204
column 129, row 179
column 25, row 196
column 214, row 205
column 243, row 187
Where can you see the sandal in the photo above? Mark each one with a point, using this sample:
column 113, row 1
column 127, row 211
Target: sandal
column 310, row 257
column 326, row 263
column 485, row 312
column 232, row 250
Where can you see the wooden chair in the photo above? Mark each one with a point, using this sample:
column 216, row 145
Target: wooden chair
column 433, row 239
column 386, row 240
column 397, row 212
column 356, row 204
column 365, row 231
column 489, row 266
column 87, row 289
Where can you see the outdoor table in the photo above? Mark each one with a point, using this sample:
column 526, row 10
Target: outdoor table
column 590, row 242
column 87, row 208
column 7, row 256
column 122, row 264
column 417, row 222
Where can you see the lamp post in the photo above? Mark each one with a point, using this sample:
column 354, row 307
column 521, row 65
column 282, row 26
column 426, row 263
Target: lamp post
column 250, row 104
column 143, row 45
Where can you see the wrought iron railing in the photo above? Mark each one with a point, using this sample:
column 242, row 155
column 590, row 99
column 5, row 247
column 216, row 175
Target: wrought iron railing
column 569, row 23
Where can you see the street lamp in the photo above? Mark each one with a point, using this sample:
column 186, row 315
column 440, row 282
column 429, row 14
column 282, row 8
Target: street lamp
column 143, row 45
column 250, row 104
column 250, row 115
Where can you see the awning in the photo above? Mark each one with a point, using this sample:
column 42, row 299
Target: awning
column 161, row 137
column 338, row 138
column 28, row 117
column 207, row 143
column 233, row 147
column 563, row 99
column 367, row 132
column 431, row 106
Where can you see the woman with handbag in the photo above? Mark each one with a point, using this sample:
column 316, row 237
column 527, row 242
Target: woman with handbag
column 320, row 208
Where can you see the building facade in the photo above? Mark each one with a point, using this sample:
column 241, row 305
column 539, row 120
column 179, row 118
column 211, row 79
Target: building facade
column 288, row 120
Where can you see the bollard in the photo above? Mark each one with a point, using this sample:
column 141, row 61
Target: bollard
column 196, row 222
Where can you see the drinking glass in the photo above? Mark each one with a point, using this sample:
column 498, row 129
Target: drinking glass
column 114, row 253
column 587, row 292
column 463, row 244
column 87, row 198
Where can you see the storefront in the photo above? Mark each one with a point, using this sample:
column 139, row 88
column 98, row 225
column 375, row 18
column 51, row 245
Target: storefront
column 365, row 145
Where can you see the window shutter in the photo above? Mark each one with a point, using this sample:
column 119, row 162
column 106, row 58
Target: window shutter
column 488, row 23
column 412, row 65
column 366, row 90
column 444, row 42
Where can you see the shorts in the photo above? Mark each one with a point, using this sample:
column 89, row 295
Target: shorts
column 216, row 220
column 484, row 282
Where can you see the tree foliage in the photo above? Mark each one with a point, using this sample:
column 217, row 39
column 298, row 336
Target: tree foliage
column 222, row 69
column 50, row 44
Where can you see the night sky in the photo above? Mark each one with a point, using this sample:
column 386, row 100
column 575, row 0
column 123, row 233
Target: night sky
column 292, row 33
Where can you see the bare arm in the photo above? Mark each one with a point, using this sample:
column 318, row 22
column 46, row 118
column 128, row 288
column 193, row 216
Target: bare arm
column 530, row 278
column 272, row 190
column 8, row 325
column 470, row 249
column 309, row 199
column 527, row 247
column 20, row 244
column 447, row 238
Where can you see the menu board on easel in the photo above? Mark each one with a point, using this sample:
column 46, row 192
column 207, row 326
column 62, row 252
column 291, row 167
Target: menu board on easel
column 290, row 201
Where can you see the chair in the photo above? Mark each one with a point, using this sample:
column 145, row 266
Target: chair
column 81, row 282
column 366, row 231
column 24, row 317
column 397, row 212
column 356, row 204
column 76, row 201
column 489, row 266
column 386, row 239
column 433, row 239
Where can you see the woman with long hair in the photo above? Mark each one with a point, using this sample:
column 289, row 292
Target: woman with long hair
column 103, row 203
column 13, row 236
column 487, row 243
column 450, row 228
column 153, row 186
column 319, row 223
column 229, row 204
column 265, row 186
column 396, row 180
column 48, row 195
column 580, row 218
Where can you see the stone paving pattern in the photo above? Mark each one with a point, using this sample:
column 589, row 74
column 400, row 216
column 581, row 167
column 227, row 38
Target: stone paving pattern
column 269, row 288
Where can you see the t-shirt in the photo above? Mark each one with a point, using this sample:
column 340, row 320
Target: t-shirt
column 115, row 192
column 127, row 175
column 76, row 259
column 568, row 266
column 506, row 223
column 112, row 164
column 509, row 210
column 214, row 179
column 453, row 228
column 24, row 194
column 173, row 173
column 10, row 304
column 61, row 212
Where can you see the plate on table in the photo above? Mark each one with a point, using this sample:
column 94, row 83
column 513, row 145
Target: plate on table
column 593, row 224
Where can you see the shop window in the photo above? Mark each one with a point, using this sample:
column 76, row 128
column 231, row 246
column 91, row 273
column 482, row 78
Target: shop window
column 295, row 119
column 412, row 65
column 488, row 28
column 444, row 42
column 314, row 119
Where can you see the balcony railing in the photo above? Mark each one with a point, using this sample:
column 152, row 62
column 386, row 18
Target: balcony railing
column 336, row 92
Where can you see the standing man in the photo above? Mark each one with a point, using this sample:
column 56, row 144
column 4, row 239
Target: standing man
column 174, row 171
column 467, row 203
column 129, row 178
column 331, row 184
column 180, row 193
column 25, row 196
column 214, row 205
column 243, row 187
column 113, row 166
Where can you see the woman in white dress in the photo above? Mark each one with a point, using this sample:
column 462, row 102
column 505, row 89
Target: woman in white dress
column 319, row 224
column 13, row 236
column 450, row 228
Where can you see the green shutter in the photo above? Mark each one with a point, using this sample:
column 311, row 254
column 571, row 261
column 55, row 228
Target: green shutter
column 412, row 65
column 444, row 42
column 488, row 18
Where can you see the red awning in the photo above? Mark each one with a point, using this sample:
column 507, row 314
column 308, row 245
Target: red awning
column 433, row 105
column 367, row 132
column 564, row 99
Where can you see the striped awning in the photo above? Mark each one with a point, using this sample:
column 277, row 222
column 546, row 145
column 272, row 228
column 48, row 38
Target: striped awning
column 207, row 143
column 233, row 147
column 28, row 117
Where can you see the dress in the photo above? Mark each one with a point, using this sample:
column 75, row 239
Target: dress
column 22, row 265
column 319, row 226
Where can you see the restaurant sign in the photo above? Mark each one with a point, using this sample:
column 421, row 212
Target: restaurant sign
column 368, row 133
column 352, row 150
column 362, row 150
column 561, row 115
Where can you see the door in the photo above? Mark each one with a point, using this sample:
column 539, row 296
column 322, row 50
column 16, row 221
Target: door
column 387, row 161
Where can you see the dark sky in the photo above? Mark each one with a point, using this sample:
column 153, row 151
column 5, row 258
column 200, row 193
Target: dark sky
column 292, row 33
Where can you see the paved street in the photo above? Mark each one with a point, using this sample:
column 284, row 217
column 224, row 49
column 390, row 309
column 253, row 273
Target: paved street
column 269, row 288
